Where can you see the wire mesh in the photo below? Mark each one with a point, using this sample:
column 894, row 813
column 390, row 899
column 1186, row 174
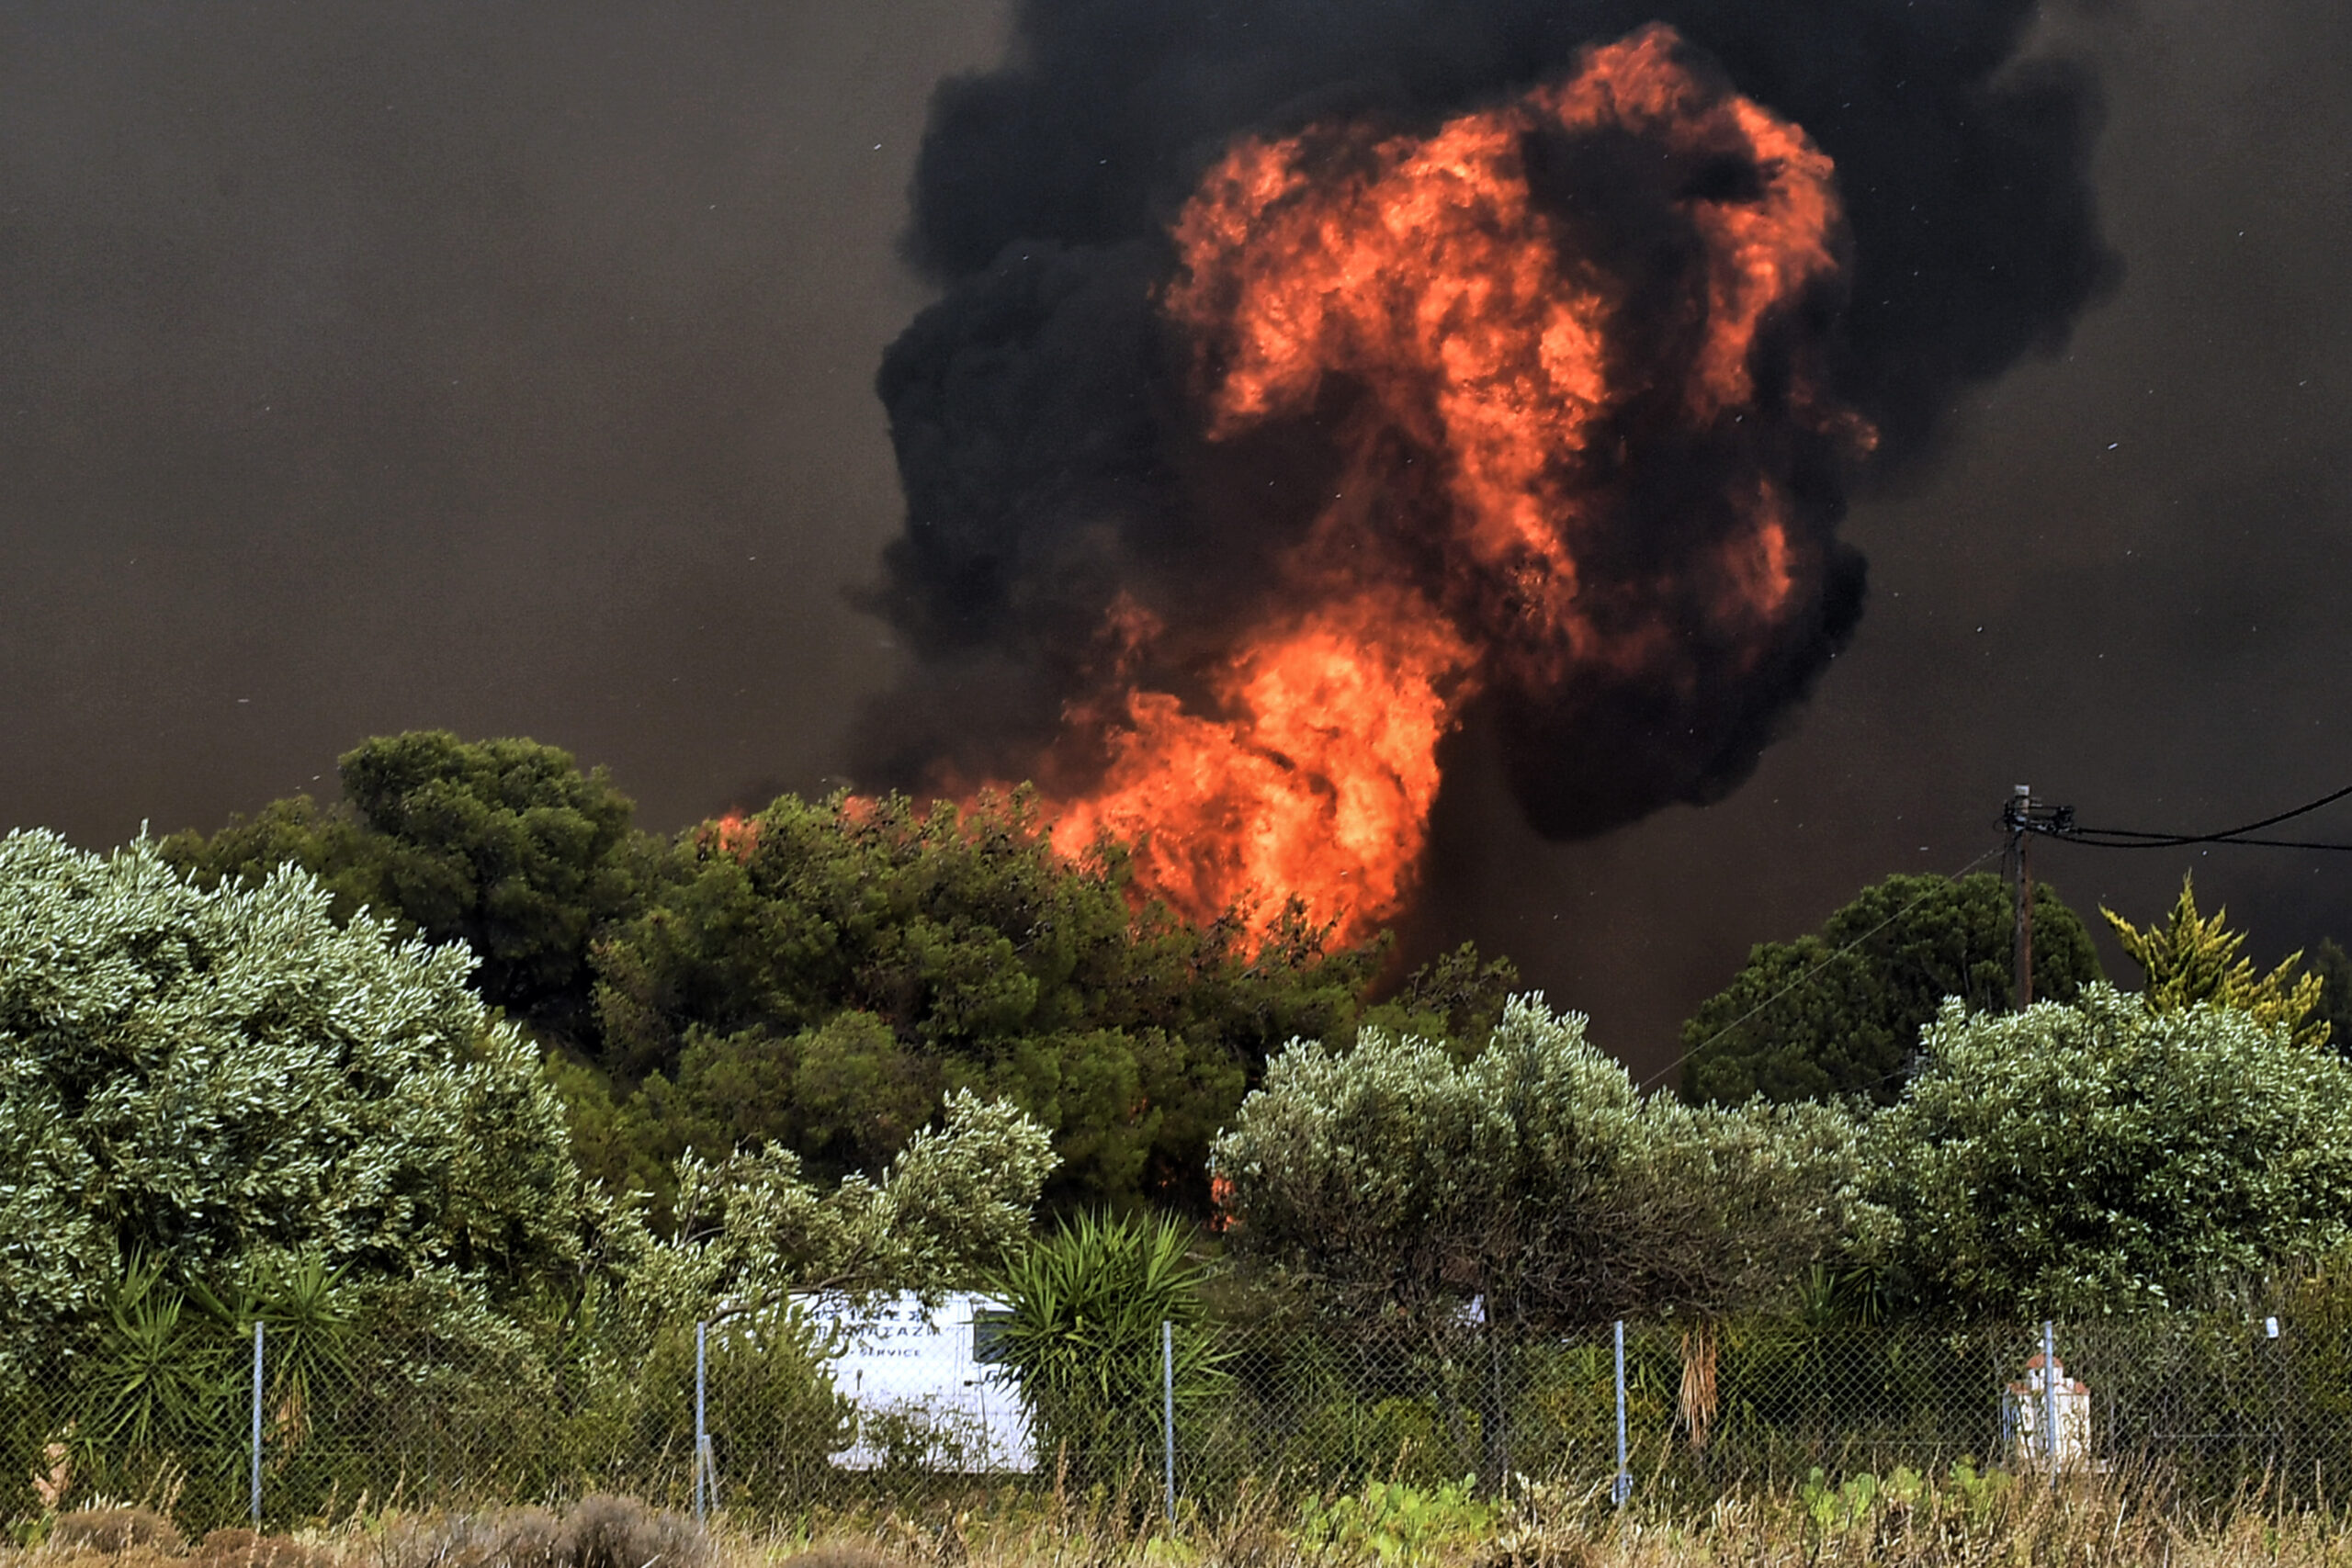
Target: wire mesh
column 392, row 1413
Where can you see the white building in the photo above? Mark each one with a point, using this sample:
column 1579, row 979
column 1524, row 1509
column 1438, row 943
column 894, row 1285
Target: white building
column 927, row 1388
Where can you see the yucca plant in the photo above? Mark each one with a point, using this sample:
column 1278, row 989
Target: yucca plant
column 1084, row 1336
column 306, row 1312
column 157, row 1388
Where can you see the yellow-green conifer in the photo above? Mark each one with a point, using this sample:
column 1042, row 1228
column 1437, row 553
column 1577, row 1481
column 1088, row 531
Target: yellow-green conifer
column 2194, row 958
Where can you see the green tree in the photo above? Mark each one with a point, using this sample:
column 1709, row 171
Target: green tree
column 341, row 852
column 2194, row 958
column 1084, row 1336
column 954, row 1204
column 2111, row 1157
column 208, row 1080
column 1457, row 996
column 819, row 974
column 2334, row 967
column 1838, row 1012
column 218, row 1105
column 1534, row 1176
column 503, row 845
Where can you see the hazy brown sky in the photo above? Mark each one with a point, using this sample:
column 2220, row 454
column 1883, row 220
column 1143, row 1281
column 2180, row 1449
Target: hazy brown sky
column 508, row 368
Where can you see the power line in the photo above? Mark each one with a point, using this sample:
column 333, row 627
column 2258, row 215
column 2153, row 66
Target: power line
column 2138, row 843
column 1806, row 977
column 2066, row 831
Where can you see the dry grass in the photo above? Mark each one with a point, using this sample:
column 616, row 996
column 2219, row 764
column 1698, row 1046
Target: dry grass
column 245, row 1548
column 140, row 1537
column 2095, row 1525
column 113, row 1531
column 598, row 1531
column 2105, row 1524
column 843, row 1553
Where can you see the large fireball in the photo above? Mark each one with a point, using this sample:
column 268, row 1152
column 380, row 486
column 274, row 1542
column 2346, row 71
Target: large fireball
column 1563, row 349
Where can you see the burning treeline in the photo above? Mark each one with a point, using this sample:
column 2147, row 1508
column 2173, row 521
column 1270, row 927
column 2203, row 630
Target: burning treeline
column 1522, row 417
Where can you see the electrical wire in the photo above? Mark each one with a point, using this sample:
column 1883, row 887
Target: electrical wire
column 2119, row 844
column 1806, row 977
column 2134, row 838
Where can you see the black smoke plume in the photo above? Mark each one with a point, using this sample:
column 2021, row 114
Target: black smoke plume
column 1052, row 456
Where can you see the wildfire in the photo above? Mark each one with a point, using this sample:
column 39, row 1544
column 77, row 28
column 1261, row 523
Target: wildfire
column 1319, row 782
column 733, row 835
column 1512, row 347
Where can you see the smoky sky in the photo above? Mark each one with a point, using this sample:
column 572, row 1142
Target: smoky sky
column 506, row 366
column 512, row 367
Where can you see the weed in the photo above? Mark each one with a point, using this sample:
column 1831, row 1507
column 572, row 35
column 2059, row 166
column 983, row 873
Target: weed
column 604, row 1531
column 114, row 1531
column 1394, row 1522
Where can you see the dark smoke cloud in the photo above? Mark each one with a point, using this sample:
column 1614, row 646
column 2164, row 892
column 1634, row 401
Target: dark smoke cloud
column 1050, row 458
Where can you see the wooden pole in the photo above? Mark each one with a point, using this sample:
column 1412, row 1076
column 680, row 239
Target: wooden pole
column 2021, row 814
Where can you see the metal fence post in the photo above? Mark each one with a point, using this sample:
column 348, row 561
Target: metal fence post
column 1622, row 1487
column 1167, row 1415
column 2050, row 1394
column 255, row 1498
column 702, row 1433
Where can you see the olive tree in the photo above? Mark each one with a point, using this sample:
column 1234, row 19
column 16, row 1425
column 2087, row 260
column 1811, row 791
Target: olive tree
column 1532, row 1186
column 2113, row 1156
column 199, row 1077
column 1533, row 1177
column 219, row 1105
column 752, row 1227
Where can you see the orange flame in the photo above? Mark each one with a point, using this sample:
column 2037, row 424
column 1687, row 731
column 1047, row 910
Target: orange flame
column 734, row 834
column 1466, row 309
column 1221, row 1218
column 1319, row 782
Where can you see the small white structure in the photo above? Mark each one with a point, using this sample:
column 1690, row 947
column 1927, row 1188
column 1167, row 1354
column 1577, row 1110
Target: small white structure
column 2026, row 1408
column 927, row 1386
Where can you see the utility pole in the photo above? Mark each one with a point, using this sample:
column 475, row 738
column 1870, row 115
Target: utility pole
column 2023, row 817
column 2019, row 817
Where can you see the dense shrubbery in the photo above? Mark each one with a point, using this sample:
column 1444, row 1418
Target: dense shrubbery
column 1533, row 1177
column 220, row 1106
column 216, row 1083
column 2111, row 1158
column 2095, row 1158
column 818, row 976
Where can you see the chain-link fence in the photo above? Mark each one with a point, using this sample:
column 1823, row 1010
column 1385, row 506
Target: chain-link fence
column 1689, row 1413
column 805, row 1405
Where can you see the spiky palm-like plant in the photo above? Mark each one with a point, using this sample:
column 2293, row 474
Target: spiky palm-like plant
column 1085, row 1338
